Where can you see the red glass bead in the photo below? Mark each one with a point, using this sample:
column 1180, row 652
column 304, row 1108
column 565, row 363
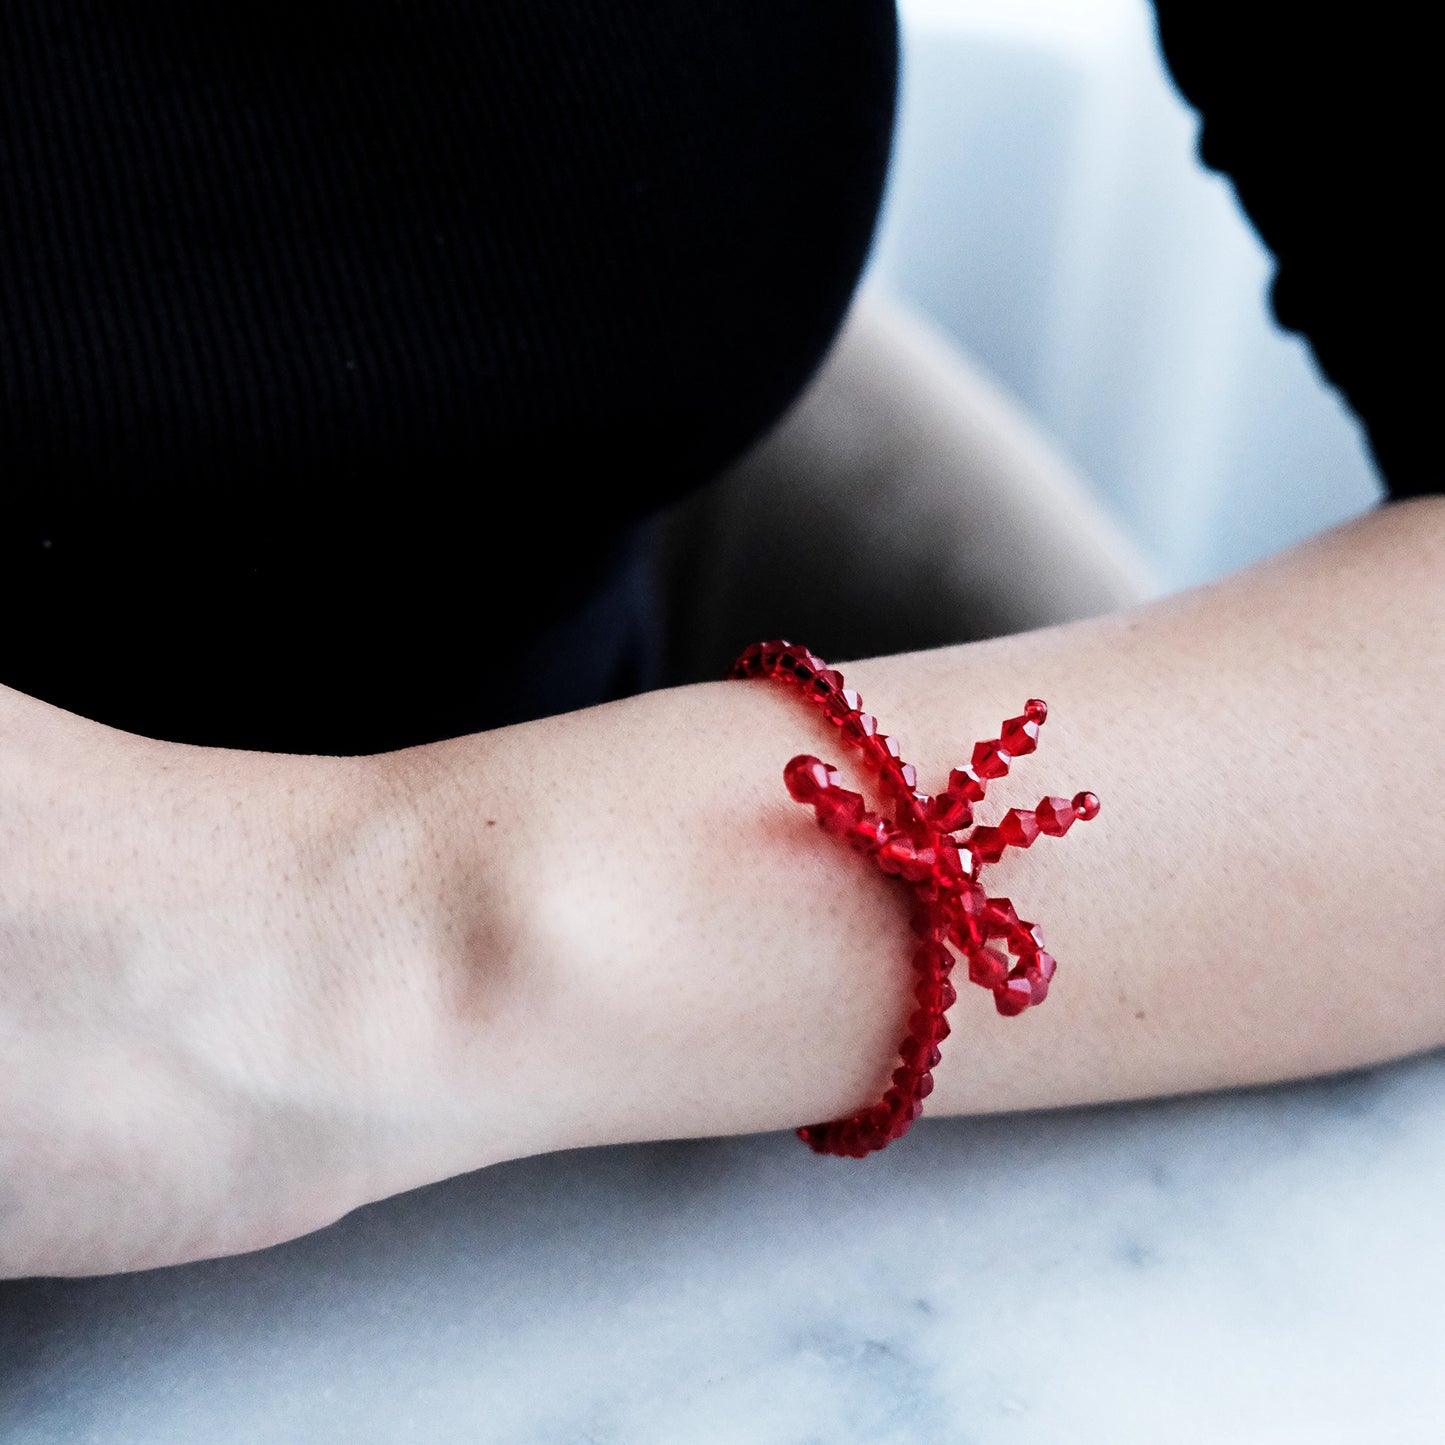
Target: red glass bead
column 749, row 660
column 932, row 1059
column 990, row 760
column 924, row 1086
column 967, row 783
column 826, row 683
column 806, row 777
column 881, row 751
column 1019, row 827
column 800, row 663
column 987, row 844
column 899, row 780
column 838, row 810
column 1036, row 710
column 1012, row 996
column 905, row 1079
column 950, row 812
column 935, row 994
column 932, row 959
column 1086, row 805
column 927, row 1027
column 839, row 703
column 987, row 967
column 969, row 912
column 1019, row 736
column 1056, row 816
column 913, row 1051
column 1027, row 937
column 768, row 658
column 902, row 856
column 870, row 833
column 814, row 1136
column 999, row 915
column 1038, row 972
column 921, row 918
column 858, row 727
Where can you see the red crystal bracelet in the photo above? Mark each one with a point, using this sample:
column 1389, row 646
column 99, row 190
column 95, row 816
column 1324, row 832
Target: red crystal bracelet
column 919, row 847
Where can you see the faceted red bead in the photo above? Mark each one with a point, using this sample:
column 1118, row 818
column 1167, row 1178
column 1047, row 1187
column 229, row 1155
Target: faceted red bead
column 770, row 655
column 987, row 844
column 969, row 911
column 902, row 856
column 990, row 760
column 921, row 918
column 827, row 683
column 1056, row 816
column 858, row 727
column 899, row 780
column 999, row 915
column 928, row 1027
column 950, row 812
column 1019, row 827
column 839, row 703
column 793, row 663
column 870, row 833
column 1038, row 972
column 1012, row 996
column 967, row 783
column 905, row 1079
column 881, row 1119
column 1019, row 736
column 925, row 1085
column 932, row 959
column 949, row 871
column 801, row 663
column 935, row 994
column 1036, row 710
column 882, row 751
column 1027, row 937
column 987, row 967
column 1086, row 805
column 932, row 1059
column 913, row 1051
column 749, row 660
column 838, row 810
column 807, row 776
column 895, row 1100
column 815, row 1136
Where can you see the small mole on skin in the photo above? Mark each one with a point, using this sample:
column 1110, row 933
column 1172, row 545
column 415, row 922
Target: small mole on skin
column 1140, row 1014
column 492, row 823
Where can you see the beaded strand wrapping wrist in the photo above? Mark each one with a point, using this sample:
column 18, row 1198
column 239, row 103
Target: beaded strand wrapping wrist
column 921, row 847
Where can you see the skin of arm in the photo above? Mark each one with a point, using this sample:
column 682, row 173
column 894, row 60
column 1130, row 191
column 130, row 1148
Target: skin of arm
column 241, row 994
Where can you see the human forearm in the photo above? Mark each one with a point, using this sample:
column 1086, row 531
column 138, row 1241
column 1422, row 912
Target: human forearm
column 242, row 993
column 1260, row 898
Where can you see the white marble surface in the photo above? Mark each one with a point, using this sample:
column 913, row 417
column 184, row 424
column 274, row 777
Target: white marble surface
column 1265, row 1266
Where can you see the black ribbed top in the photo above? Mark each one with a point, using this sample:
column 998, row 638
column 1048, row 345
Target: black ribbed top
column 1318, row 113
column 339, row 343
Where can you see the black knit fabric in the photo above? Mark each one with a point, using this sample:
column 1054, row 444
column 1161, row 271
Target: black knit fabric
column 1318, row 114
column 340, row 343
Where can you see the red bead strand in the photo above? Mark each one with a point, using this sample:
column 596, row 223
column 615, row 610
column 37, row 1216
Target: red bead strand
column 921, row 848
